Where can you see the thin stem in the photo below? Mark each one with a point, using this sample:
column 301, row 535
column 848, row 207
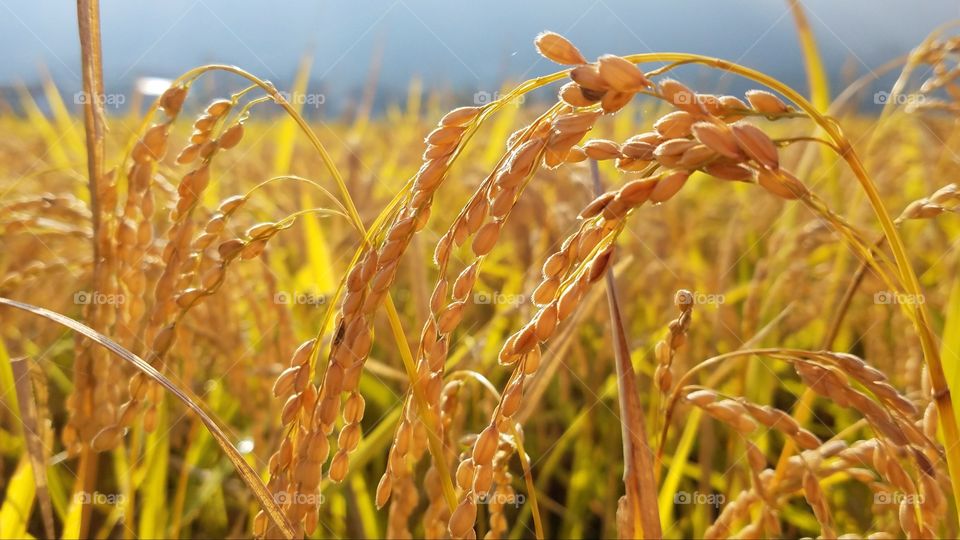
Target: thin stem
column 88, row 19
column 464, row 375
column 528, row 479
column 322, row 189
column 88, row 22
column 682, row 382
column 802, row 410
column 790, row 140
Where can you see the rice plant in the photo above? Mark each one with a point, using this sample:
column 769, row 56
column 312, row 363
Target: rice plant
column 640, row 309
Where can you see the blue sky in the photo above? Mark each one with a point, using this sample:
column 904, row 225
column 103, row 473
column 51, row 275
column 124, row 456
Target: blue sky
column 463, row 45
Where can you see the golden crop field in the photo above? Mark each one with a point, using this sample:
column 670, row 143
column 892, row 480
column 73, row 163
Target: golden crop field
column 641, row 309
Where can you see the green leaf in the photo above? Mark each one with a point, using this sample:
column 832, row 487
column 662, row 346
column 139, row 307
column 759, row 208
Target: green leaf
column 18, row 502
column 950, row 346
column 152, row 521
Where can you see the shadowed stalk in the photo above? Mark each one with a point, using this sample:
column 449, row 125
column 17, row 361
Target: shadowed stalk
column 31, row 434
column 638, row 475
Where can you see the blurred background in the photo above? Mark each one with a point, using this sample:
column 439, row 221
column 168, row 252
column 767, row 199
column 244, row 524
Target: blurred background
column 466, row 47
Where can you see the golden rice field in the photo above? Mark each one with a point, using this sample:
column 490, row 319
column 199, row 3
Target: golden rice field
column 640, row 309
